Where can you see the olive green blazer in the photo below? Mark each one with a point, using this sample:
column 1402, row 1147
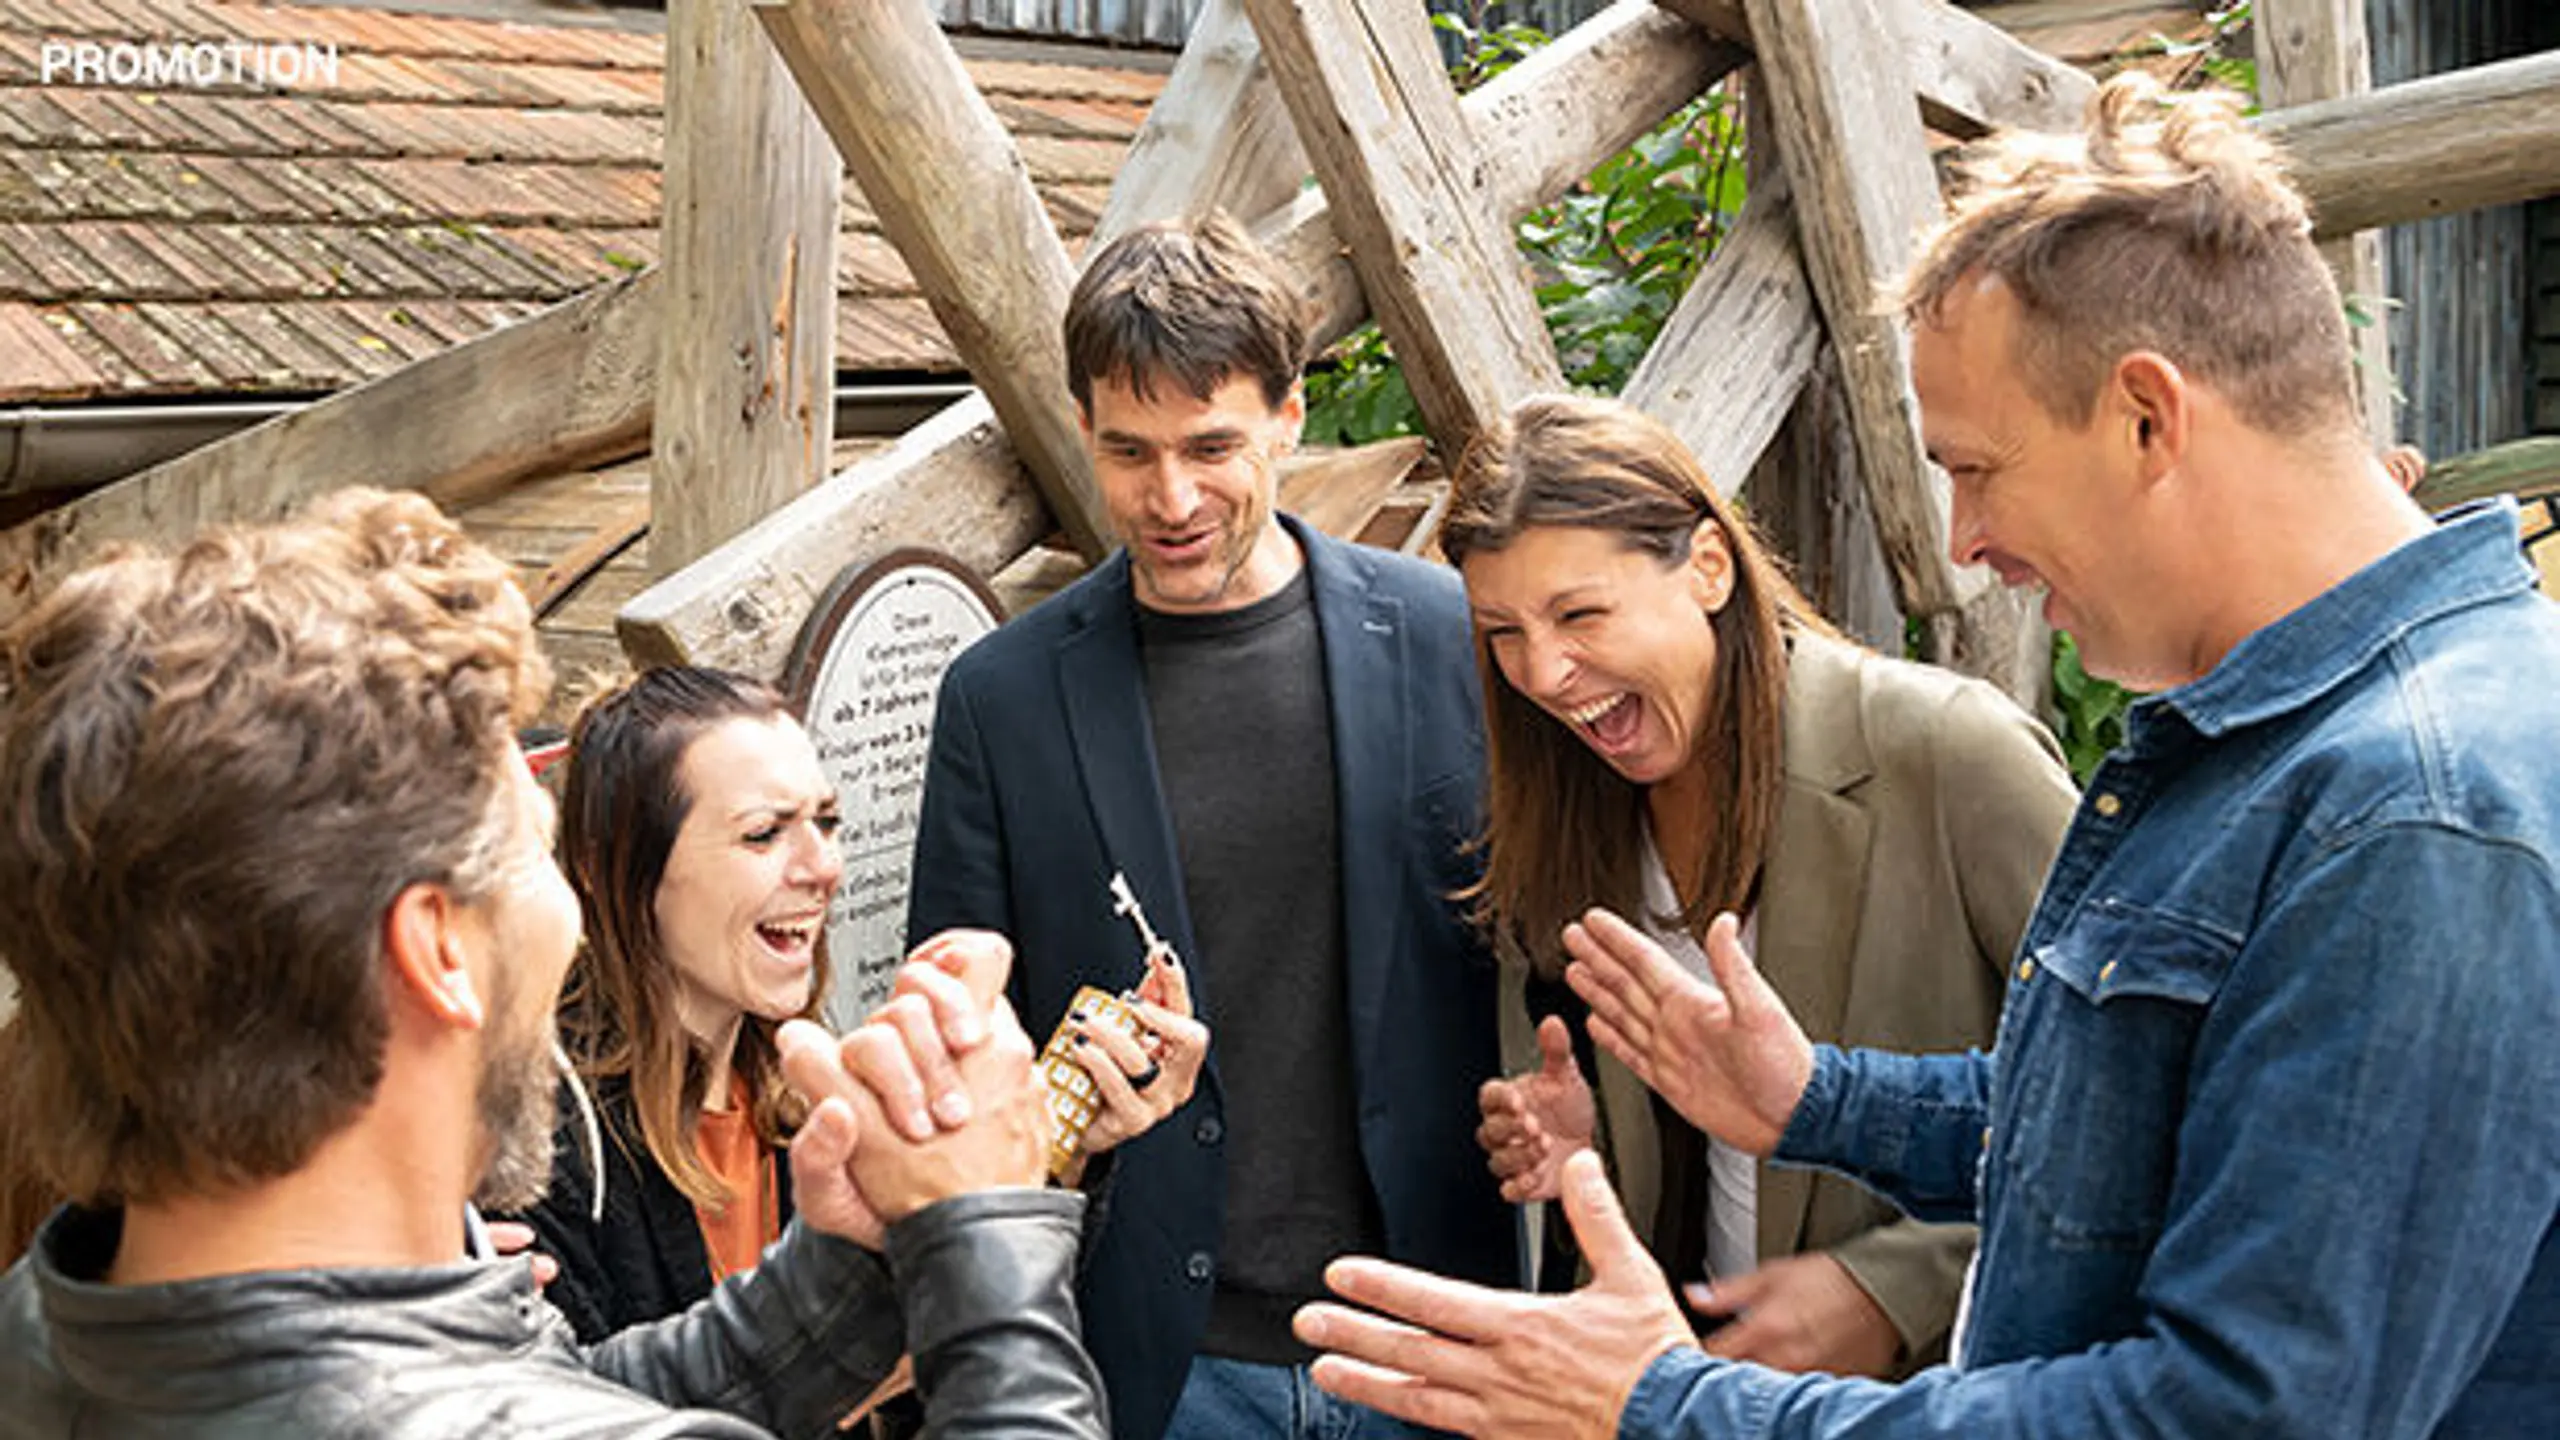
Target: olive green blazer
column 1921, row 811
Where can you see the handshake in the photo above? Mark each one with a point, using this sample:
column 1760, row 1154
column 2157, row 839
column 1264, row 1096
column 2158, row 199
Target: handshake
column 935, row 1095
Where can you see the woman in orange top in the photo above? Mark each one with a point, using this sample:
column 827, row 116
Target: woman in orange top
column 699, row 832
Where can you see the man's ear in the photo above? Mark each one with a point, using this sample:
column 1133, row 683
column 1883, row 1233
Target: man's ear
column 2152, row 399
column 422, row 937
column 1293, row 415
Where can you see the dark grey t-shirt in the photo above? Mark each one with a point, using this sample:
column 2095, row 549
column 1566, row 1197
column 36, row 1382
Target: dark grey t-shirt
column 1244, row 747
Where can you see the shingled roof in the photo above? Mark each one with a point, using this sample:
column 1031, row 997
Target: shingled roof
column 456, row 173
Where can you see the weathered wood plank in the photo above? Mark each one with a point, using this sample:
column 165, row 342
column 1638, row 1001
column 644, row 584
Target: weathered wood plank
column 567, row 387
column 1380, row 121
column 1739, row 346
column 1864, row 191
column 2488, row 135
column 1968, row 75
column 1220, row 104
column 953, row 195
column 2315, row 50
column 946, row 484
column 1589, row 94
column 747, row 357
column 1536, row 129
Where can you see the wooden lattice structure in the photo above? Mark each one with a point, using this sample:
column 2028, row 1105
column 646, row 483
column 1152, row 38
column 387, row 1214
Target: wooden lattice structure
column 1417, row 191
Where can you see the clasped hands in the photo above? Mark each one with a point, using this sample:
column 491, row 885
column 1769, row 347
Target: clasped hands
column 934, row 1095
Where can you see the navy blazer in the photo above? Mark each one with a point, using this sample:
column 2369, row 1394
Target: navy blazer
column 1042, row 783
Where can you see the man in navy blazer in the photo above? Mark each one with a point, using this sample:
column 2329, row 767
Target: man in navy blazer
column 1276, row 738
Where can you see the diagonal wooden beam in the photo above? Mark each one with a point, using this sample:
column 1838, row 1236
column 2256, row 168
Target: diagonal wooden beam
column 1741, row 343
column 1969, row 75
column 1218, row 136
column 1864, row 193
column 1540, row 126
column 1380, row 120
column 954, row 197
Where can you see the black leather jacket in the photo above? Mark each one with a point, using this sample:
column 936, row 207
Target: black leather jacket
column 471, row 1349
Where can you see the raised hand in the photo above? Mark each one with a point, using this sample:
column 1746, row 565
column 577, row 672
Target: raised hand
column 1732, row 1061
column 1803, row 1313
column 1532, row 1121
column 1452, row 1356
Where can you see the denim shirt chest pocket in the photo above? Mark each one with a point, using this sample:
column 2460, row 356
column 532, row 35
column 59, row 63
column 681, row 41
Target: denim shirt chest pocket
column 2104, row 1019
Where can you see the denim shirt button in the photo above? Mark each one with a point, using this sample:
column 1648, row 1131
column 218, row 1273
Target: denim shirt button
column 1986, row 1137
column 2106, row 970
column 2026, row 970
column 1199, row 1267
column 2107, row 805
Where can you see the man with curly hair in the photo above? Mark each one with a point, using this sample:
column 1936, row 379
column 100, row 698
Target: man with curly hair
column 278, row 893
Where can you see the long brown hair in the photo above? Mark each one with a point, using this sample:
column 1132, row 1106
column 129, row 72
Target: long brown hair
column 1564, row 831
column 620, row 810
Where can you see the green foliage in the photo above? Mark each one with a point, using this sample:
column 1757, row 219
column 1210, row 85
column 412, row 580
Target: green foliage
column 2227, row 59
column 1611, row 257
column 2092, row 710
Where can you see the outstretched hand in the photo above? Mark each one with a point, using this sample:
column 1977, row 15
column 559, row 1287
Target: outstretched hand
column 1731, row 1060
column 1532, row 1121
column 1452, row 1356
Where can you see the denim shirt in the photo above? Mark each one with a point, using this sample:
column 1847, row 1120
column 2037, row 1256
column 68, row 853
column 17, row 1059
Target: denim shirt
column 2270, row 1141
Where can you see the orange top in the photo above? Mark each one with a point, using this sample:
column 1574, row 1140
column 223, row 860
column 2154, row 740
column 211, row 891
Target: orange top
column 734, row 1235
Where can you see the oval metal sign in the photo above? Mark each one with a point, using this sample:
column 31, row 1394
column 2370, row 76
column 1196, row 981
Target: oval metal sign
column 865, row 673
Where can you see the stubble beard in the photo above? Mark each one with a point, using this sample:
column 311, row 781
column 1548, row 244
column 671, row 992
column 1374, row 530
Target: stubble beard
column 516, row 1105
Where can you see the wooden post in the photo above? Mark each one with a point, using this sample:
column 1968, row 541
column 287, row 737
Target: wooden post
column 953, row 195
column 2315, row 50
column 1864, row 192
column 1380, row 120
column 1807, row 500
column 747, row 355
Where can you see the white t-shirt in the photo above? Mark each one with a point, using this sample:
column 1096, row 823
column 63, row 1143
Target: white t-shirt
column 1733, row 1178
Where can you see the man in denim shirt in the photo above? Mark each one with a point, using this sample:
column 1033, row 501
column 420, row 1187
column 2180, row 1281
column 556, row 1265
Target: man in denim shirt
column 2271, row 1141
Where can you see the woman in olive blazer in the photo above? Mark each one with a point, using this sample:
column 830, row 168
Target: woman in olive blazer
column 1663, row 707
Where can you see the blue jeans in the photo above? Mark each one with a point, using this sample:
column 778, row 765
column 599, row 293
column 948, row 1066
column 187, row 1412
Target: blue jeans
column 1238, row 1400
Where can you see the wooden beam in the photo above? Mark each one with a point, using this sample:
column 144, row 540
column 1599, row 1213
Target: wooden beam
column 1864, row 192
column 955, row 199
column 564, row 388
column 2315, row 50
column 1968, row 74
column 944, row 485
column 747, row 356
column 1740, row 345
column 2488, row 135
column 2528, row 469
column 1537, row 128
column 1380, row 120
column 1219, row 104
column 1588, row 95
